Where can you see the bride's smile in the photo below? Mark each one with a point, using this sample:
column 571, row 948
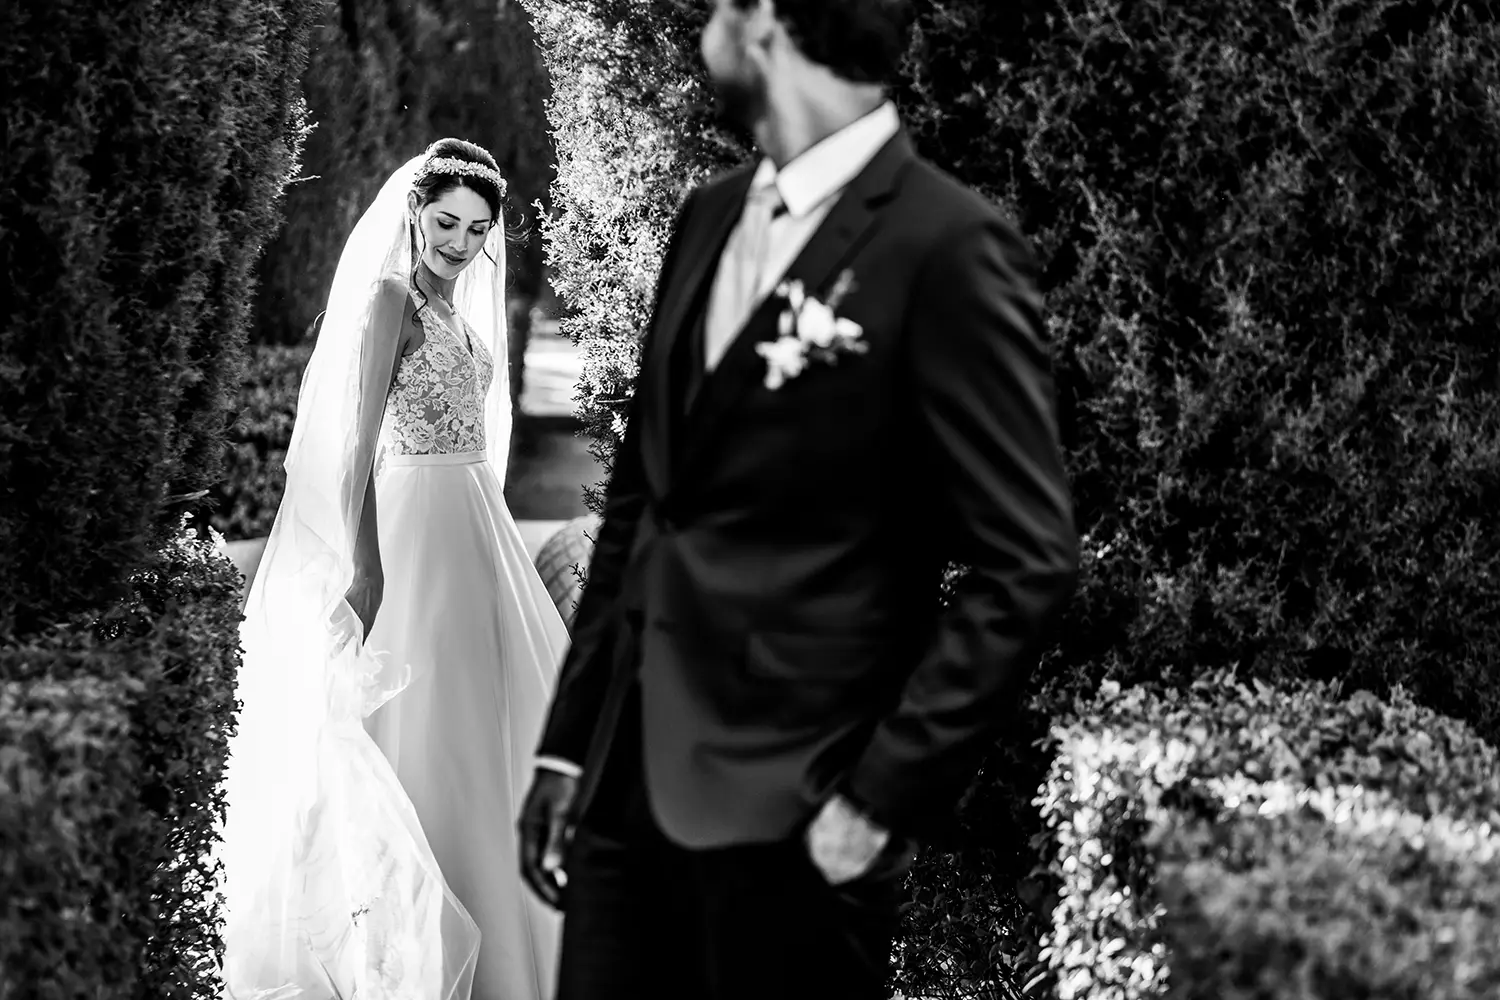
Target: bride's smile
column 451, row 230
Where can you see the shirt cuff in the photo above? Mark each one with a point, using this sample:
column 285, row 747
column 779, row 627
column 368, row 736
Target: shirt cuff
column 560, row 765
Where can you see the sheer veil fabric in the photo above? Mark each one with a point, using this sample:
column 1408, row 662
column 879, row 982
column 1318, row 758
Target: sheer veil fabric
column 330, row 886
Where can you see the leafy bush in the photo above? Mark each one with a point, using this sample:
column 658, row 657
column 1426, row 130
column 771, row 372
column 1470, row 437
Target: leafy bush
column 1239, row 840
column 146, row 146
column 66, row 914
column 246, row 500
column 1272, row 288
column 631, row 120
column 114, row 735
column 1394, row 909
column 387, row 78
column 1274, row 315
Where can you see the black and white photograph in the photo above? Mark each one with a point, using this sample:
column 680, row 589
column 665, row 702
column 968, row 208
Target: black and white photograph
column 750, row 500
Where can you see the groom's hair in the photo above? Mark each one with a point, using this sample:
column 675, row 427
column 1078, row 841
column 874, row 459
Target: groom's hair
column 858, row 40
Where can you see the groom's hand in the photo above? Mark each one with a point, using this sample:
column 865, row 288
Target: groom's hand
column 843, row 842
column 543, row 827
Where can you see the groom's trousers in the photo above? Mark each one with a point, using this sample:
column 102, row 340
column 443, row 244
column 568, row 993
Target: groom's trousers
column 645, row 917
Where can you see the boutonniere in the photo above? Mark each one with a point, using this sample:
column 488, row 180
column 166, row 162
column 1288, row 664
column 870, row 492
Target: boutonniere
column 810, row 329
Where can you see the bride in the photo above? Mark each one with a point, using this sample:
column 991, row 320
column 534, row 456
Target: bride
column 399, row 646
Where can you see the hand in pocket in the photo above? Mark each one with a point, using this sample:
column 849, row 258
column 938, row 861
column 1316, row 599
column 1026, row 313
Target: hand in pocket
column 843, row 843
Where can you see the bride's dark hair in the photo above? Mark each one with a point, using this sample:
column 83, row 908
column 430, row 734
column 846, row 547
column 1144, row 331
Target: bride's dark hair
column 431, row 184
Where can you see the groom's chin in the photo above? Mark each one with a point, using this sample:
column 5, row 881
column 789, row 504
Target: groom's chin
column 737, row 107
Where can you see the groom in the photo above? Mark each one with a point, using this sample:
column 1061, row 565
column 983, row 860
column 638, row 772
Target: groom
column 764, row 706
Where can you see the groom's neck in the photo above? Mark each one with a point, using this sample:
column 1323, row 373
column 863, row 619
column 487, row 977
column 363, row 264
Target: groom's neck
column 805, row 108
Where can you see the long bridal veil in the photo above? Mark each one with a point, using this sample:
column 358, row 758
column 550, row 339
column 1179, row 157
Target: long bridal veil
column 330, row 887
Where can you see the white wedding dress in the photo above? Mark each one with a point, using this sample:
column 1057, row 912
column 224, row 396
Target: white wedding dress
column 465, row 608
column 368, row 846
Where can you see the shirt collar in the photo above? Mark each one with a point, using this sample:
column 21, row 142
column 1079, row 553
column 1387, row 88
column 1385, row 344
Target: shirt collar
column 825, row 169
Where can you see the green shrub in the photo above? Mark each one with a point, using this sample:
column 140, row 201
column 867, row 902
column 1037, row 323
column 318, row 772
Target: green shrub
column 1273, row 307
column 631, row 120
column 114, row 734
column 70, row 831
column 1317, row 910
column 146, row 145
column 1239, row 840
column 245, row 501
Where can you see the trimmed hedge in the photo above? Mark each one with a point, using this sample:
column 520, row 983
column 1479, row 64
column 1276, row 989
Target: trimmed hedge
column 113, row 737
column 146, row 145
column 147, row 148
column 1238, row 840
column 1393, row 908
column 66, row 913
column 1274, row 306
column 245, row 501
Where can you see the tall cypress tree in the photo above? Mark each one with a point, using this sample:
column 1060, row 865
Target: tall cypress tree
column 147, row 147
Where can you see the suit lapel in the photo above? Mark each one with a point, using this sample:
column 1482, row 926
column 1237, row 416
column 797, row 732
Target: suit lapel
column 849, row 223
column 715, row 217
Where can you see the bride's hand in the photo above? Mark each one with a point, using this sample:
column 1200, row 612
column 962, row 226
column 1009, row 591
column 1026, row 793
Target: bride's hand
column 365, row 595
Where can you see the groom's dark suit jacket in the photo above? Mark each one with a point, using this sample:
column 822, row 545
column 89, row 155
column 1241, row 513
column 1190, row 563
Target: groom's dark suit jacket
column 769, row 560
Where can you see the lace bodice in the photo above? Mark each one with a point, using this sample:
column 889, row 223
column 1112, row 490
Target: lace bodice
column 436, row 402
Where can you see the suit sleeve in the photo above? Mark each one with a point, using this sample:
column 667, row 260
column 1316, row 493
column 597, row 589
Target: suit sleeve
column 584, row 678
column 988, row 415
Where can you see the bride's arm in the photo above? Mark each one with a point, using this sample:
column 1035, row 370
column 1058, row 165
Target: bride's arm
column 385, row 340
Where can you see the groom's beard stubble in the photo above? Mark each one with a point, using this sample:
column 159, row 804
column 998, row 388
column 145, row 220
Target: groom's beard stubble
column 740, row 104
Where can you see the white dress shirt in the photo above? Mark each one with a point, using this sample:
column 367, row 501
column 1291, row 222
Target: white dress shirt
column 808, row 185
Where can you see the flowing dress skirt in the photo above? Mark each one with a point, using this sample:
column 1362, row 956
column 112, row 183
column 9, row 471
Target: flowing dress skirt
column 467, row 611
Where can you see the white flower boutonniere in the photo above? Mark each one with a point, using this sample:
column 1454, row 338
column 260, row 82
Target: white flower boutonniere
column 810, row 329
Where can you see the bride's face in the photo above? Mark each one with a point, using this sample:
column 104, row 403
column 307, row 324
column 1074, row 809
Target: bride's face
column 452, row 230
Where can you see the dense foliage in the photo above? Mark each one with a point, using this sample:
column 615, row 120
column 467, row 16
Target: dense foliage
column 1239, row 840
column 1274, row 306
column 388, row 77
column 146, row 147
column 634, row 131
column 1273, row 285
column 245, row 501
column 114, row 734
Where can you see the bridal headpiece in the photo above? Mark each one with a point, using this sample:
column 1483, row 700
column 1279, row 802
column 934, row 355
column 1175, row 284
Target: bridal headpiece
column 462, row 168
